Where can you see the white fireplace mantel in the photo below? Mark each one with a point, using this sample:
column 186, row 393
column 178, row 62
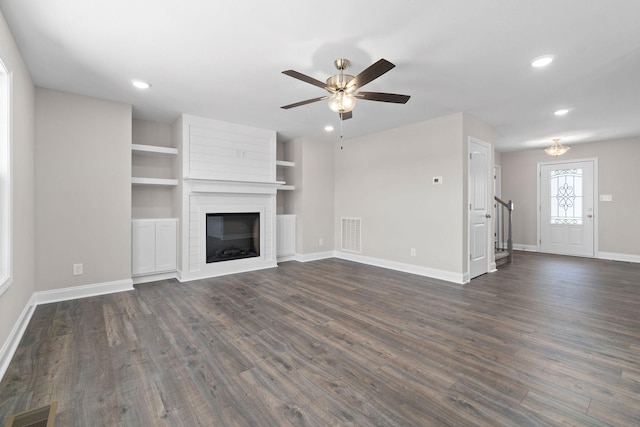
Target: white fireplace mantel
column 225, row 168
column 239, row 187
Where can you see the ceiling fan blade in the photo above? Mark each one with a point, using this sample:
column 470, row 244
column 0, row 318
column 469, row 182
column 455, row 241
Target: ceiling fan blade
column 373, row 72
column 308, row 101
column 345, row 116
column 305, row 78
column 383, row 97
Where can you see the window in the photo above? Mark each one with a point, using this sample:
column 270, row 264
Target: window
column 5, row 179
column 566, row 196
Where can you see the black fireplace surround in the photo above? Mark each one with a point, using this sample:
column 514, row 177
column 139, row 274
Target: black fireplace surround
column 232, row 236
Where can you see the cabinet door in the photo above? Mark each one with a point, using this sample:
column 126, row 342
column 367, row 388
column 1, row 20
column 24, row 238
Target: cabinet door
column 166, row 244
column 286, row 235
column 143, row 246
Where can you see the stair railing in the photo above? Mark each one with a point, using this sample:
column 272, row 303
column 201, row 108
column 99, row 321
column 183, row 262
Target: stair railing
column 508, row 206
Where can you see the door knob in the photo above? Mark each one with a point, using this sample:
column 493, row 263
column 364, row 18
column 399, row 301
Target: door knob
column 589, row 216
column 487, row 216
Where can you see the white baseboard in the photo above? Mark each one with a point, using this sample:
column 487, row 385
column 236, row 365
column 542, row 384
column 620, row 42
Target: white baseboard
column 527, row 248
column 11, row 344
column 286, row 258
column 619, row 257
column 433, row 273
column 314, row 256
column 44, row 297
column 154, row 277
column 75, row 292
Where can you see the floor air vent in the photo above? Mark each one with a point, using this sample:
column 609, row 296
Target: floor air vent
column 351, row 237
column 41, row 417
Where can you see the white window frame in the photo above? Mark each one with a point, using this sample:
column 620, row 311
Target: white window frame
column 6, row 182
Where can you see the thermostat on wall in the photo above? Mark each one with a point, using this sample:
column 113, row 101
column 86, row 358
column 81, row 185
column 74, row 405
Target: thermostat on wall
column 437, row 180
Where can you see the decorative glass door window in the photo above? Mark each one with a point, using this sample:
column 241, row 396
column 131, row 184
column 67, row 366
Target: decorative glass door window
column 566, row 196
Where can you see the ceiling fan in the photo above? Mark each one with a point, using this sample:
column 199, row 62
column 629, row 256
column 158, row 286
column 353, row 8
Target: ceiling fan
column 343, row 88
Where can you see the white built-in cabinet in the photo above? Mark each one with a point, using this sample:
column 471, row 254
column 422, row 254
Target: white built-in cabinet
column 285, row 235
column 154, row 245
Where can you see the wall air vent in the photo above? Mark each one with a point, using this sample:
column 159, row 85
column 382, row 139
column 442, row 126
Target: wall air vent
column 351, row 236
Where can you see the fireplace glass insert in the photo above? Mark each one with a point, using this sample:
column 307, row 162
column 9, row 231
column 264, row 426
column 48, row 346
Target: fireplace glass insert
column 232, row 236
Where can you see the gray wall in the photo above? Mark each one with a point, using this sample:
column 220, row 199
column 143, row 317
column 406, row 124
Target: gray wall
column 313, row 198
column 619, row 175
column 386, row 180
column 83, row 189
column 13, row 301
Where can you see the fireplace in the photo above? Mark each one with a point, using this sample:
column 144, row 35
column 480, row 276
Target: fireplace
column 232, row 236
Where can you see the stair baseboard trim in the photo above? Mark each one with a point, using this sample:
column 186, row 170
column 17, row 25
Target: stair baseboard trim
column 432, row 273
column 13, row 340
column 619, row 257
column 84, row 291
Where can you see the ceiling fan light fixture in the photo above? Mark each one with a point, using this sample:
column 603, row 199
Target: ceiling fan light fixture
column 556, row 148
column 341, row 102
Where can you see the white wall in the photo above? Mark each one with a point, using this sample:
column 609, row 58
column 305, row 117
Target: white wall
column 386, row 180
column 13, row 301
column 83, row 189
column 619, row 175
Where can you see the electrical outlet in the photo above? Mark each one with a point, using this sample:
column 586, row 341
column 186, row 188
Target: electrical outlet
column 321, row 242
column 77, row 269
column 413, row 251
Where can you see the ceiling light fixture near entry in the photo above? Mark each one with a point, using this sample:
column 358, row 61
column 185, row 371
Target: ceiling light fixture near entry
column 328, row 128
column 140, row 84
column 556, row 148
column 561, row 112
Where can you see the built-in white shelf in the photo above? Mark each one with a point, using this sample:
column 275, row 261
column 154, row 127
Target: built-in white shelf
column 153, row 181
column 285, row 163
column 286, row 187
column 154, row 150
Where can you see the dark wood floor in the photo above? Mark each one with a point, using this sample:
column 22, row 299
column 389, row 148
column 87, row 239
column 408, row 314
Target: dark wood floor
column 545, row 341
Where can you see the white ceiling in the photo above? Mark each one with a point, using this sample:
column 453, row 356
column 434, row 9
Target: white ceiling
column 223, row 59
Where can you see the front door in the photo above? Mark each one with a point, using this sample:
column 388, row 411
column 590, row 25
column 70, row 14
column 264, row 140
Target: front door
column 567, row 208
column 479, row 208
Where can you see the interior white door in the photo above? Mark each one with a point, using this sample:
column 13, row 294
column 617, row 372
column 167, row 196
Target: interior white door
column 567, row 209
column 479, row 208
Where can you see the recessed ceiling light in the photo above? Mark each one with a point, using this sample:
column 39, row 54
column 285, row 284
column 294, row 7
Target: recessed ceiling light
column 140, row 84
column 542, row 61
column 561, row 112
column 328, row 128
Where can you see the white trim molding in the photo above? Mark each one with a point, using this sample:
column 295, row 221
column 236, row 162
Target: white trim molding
column 44, row 297
column 432, row 273
column 75, row 292
column 11, row 344
column 523, row 247
column 619, row 257
column 315, row 256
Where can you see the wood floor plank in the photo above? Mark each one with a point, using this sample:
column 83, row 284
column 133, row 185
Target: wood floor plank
column 546, row 340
